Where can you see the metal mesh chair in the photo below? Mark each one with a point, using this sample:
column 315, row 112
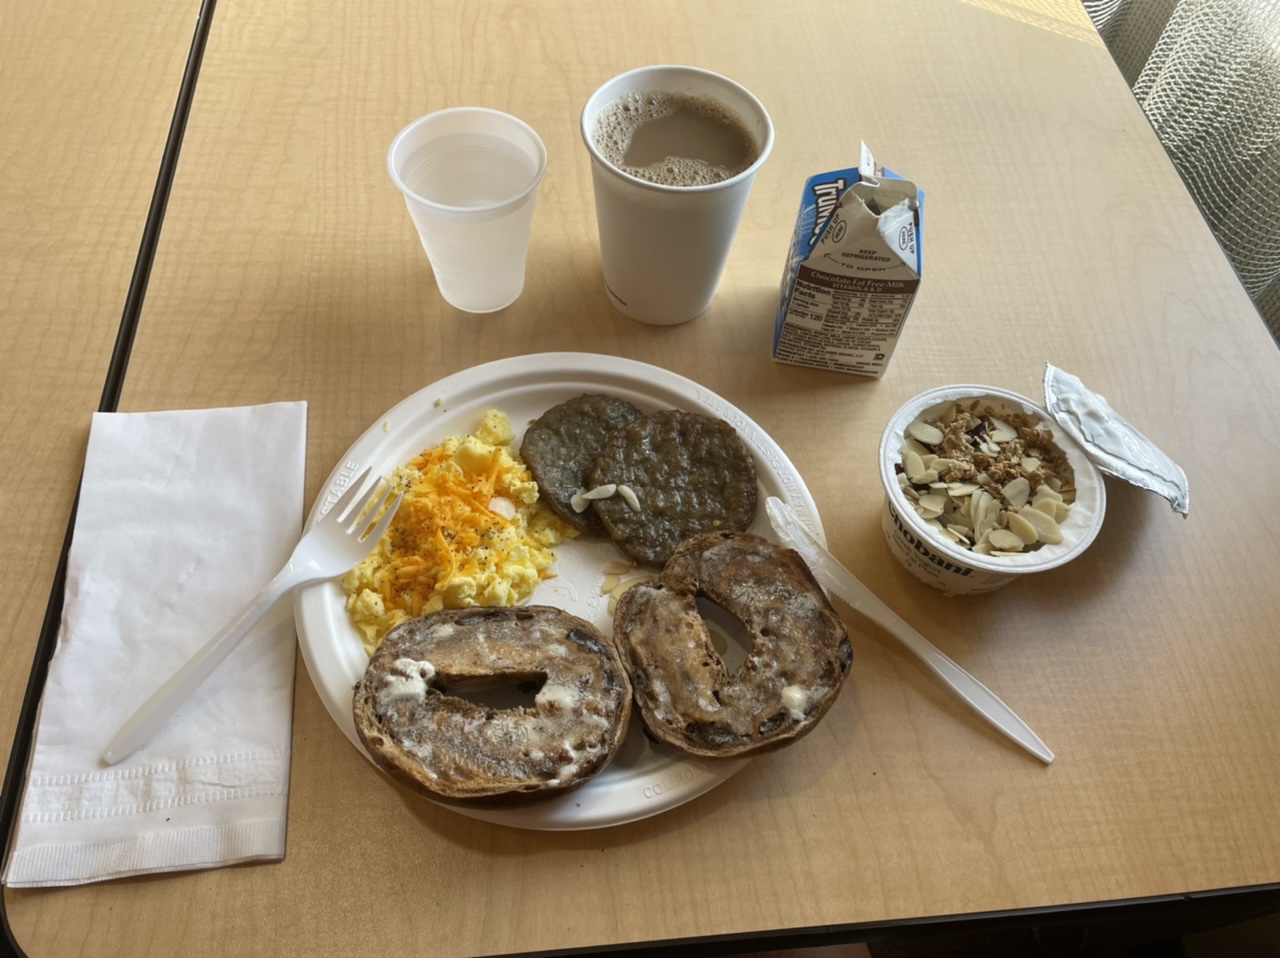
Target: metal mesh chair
column 1207, row 74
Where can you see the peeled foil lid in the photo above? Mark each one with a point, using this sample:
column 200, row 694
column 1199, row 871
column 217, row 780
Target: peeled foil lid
column 1110, row 442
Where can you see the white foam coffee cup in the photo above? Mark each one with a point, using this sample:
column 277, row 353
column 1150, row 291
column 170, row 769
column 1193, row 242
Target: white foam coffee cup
column 933, row 558
column 663, row 248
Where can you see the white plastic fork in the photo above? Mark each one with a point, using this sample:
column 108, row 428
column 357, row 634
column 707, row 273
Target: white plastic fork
column 341, row 538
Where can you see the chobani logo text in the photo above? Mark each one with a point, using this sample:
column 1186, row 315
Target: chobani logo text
column 924, row 550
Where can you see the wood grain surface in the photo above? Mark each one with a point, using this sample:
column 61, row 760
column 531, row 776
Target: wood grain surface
column 1056, row 230
column 86, row 95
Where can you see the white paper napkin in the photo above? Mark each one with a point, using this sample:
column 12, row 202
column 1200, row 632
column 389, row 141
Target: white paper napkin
column 183, row 517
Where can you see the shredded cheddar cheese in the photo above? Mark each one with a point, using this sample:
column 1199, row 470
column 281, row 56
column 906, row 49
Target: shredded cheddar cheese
column 469, row 532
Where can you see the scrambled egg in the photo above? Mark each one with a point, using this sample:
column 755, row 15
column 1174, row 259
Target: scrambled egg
column 470, row 531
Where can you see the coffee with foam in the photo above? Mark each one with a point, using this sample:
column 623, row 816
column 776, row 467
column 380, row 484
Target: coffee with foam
column 674, row 139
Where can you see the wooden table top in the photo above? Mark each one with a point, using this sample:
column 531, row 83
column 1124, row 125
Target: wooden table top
column 1056, row 230
column 88, row 93
column 85, row 126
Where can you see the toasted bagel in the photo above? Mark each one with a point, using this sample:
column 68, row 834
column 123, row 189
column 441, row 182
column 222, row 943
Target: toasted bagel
column 455, row 750
column 686, row 696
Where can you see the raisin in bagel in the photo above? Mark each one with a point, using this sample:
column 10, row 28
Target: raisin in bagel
column 800, row 649
column 684, row 474
column 455, row 750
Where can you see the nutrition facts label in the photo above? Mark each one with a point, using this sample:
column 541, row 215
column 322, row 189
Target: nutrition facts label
column 853, row 272
column 844, row 323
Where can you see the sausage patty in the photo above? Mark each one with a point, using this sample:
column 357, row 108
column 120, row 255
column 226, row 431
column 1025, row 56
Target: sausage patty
column 684, row 473
column 560, row 449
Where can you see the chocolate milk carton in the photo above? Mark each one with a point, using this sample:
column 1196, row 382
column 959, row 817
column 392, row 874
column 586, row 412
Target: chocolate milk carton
column 853, row 271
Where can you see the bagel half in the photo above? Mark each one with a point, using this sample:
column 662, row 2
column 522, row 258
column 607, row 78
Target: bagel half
column 799, row 658
column 455, row 750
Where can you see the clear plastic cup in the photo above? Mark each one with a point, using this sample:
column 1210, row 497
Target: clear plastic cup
column 663, row 248
column 470, row 177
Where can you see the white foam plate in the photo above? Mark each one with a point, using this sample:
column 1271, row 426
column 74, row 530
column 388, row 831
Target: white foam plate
column 644, row 778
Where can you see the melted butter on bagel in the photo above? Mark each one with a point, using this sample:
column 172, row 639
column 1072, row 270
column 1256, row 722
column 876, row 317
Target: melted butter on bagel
column 797, row 664
column 415, row 724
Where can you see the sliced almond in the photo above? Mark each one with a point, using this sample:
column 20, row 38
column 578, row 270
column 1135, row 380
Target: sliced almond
column 912, row 465
column 1030, row 463
column 1005, row 541
column 630, row 498
column 1022, row 528
column 1055, row 508
column 978, row 505
column 959, row 490
column 983, row 503
column 1046, row 527
column 626, row 584
column 933, row 501
column 988, row 514
column 1017, row 491
column 610, row 583
column 1001, row 431
column 923, row 432
column 927, row 512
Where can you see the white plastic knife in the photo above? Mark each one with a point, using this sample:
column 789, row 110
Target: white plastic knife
column 842, row 584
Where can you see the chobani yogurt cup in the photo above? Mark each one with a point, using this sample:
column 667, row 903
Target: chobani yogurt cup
column 983, row 486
